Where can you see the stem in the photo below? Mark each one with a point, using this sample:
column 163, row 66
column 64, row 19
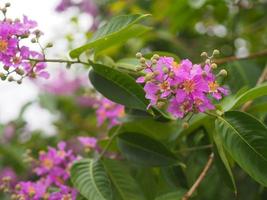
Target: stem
column 234, row 58
column 200, row 178
column 60, row 61
column 115, row 134
column 195, row 148
column 261, row 79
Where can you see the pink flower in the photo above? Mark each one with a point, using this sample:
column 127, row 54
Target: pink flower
column 110, row 111
column 88, row 142
column 31, row 190
column 185, row 87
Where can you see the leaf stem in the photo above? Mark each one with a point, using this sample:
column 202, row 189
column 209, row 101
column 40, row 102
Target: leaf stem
column 60, row 61
column 195, row 148
column 200, row 178
column 115, row 134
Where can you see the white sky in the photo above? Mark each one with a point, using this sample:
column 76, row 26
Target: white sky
column 13, row 96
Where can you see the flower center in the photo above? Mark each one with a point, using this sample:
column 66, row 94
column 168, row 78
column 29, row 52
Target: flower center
column 213, row 86
column 61, row 153
column 31, row 191
column 189, row 86
column 3, row 45
column 48, row 163
column 175, row 65
column 165, row 86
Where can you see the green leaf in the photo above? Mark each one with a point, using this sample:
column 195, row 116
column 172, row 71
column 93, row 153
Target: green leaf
column 172, row 195
column 145, row 150
column 223, row 163
column 126, row 186
column 90, row 179
column 245, row 139
column 119, row 29
column 118, row 87
column 251, row 94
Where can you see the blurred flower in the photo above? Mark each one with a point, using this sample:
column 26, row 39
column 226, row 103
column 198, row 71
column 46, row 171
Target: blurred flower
column 8, row 132
column 31, row 190
column 185, row 87
column 63, row 84
column 88, row 142
column 110, row 111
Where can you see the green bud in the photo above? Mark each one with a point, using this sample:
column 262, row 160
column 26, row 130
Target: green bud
column 204, row 54
column 165, row 70
column 33, row 40
column 185, row 125
column 19, row 81
column 49, row 45
column 142, row 60
column 155, row 56
column 6, row 68
column 139, row 68
column 213, row 66
column 216, row 52
column 154, row 61
column 160, row 104
column 20, row 71
column 223, row 72
column 7, row 4
column 149, row 76
column 138, row 55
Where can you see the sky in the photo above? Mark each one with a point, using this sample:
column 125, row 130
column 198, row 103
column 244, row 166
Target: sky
column 12, row 95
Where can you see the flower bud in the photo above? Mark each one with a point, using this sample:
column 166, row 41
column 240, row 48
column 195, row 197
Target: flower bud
column 138, row 55
column 149, row 76
column 33, row 40
column 213, row 66
column 142, row 60
column 6, row 68
column 4, row 10
column 223, row 72
column 185, row 125
column 165, row 70
column 155, row 56
column 216, row 52
column 10, row 78
column 49, row 45
column 207, row 61
column 204, row 54
column 154, row 61
column 139, row 68
column 7, row 4
column 2, row 76
column 160, row 104
column 19, row 81
column 20, row 71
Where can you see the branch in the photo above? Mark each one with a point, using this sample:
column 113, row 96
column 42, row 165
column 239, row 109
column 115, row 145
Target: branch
column 60, row 61
column 261, row 79
column 200, row 178
column 234, row 58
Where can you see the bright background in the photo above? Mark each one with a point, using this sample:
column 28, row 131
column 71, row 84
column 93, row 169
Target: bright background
column 54, row 25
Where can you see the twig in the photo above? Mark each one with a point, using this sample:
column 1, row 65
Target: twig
column 60, row 61
column 261, row 79
column 234, row 58
column 200, row 178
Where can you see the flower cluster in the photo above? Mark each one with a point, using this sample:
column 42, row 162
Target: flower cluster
column 108, row 110
column 53, row 169
column 17, row 58
column 184, row 87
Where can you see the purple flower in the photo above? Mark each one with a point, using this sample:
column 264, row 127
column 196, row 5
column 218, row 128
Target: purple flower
column 108, row 110
column 185, row 87
column 88, row 142
column 65, row 192
column 31, row 190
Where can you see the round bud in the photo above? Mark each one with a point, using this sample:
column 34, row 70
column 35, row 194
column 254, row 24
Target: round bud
column 171, row 75
column 33, row 40
column 7, row 4
column 6, row 68
column 142, row 60
column 204, row 54
column 154, row 61
column 160, row 104
column 165, row 70
column 20, row 71
column 19, row 81
column 223, row 72
column 155, row 56
column 216, row 52
column 2, row 76
column 10, row 78
column 208, row 61
column 213, row 66
column 49, row 45
column 138, row 55
column 149, row 76
column 185, row 125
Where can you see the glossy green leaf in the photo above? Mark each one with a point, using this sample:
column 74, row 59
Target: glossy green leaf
column 245, row 139
column 91, row 180
column 117, row 30
column 223, row 163
column 118, row 87
column 251, row 94
column 145, row 150
column 125, row 185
